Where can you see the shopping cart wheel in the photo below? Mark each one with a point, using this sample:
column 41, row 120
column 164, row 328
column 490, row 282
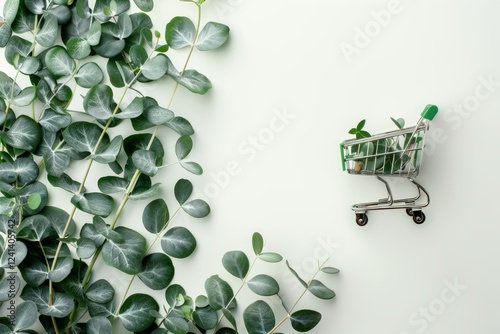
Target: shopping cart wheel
column 409, row 212
column 418, row 217
column 361, row 219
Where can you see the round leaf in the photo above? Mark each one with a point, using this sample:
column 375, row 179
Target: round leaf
column 48, row 34
column 183, row 190
column 101, row 291
column 127, row 255
column 236, row 263
column 157, row 271
column 85, row 248
column 174, row 294
column 257, row 243
column 212, row 36
column 180, row 32
column 304, row 320
column 89, row 75
column 145, row 5
column 320, row 290
column 135, row 312
column 155, row 216
column 178, row 242
column 197, row 208
column 219, row 292
column 24, row 134
column 26, row 315
column 99, row 102
column 259, row 317
column 99, row 325
column 264, row 285
column 145, row 162
column 59, row 62
column 183, row 147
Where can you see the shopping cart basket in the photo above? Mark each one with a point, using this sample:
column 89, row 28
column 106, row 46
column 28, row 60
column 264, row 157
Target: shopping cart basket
column 396, row 153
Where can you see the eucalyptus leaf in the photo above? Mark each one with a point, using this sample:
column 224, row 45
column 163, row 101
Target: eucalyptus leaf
column 59, row 62
column 219, row 292
column 236, row 263
column 94, row 203
column 145, row 192
column 78, row 48
column 83, row 136
column 157, row 115
column 205, row 317
column 94, row 34
column 99, row 325
column 304, row 284
column 197, row 208
column 180, row 32
column 259, row 317
column 5, row 34
column 138, row 55
column 34, row 271
column 9, row 287
column 330, row 270
column 109, row 46
column 30, row 65
column 257, row 243
column 26, row 171
column 25, row 97
column 10, row 10
column 183, row 147
column 127, row 255
column 60, row 220
column 85, row 248
column 119, row 72
column 304, row 320
column 155, row 216
column 212, row 36
column 181, row 126
column 174, row 295
column 112, row 184
column 35, row 228
column 99, row 102
column 157, row 271
column 65, row 182
column 110, row 152
column 101, row 291
column 53, row 121
column 134, row 109
column 62, row 269
column 264, row 285
column 192, row 167
column 145, row 5
column 320, row 290
column 183, row 190
column 155, row 68
column 25, row 193
column 89, row 75
column 145, row 162
column 26, row 315
column 35, row 6
column 48, row 33
column 61, row 306
column 134, row 313
column 110, row 234
column 176, row 325
column 178, row 242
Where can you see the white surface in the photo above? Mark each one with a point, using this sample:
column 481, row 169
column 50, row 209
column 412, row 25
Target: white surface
column 285, row 58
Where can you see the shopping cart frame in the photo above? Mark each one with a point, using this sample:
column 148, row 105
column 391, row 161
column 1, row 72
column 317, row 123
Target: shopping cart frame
column 396, row 153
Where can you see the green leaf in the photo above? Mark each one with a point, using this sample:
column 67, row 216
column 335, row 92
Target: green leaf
column 145, row 162
column 155, row 216
column 135, row 312
column 61, row 306
column 85, row 248
column 330, row 270
column 192, row 167
column 119, row 73
column 141, row 142
column 34, row 201
column 304, row 320
column 48, row 34
column 24, row 194
column 181, row 126
column 183, row 147
column 9, row 287
column 400, row 123
column 157, row 271
column 127, row 255
column 24, row 134
column 110, row 152
column 175, row 324
column 145, row 5
column 53, row 121
column 99, row 325
column 101, row 291
column 205, row 317
column 180, row 32
column 219, row 292
column 89, row 231
column 264, row 285
column 191, row 79
column 156, row 115
column 8, row 88
column 155, row 68
column 35, row 6
column 99, row 102
column 320, row 290
column 212, row 36
column 109, row 46
column 62, row 269
column 25, row 97
column 361, row 125
column 138, row 55
column 134, row 109
column 59, row 219
column 26, row 315
column 83, row 136
column 304, row 284
column 101, row 227
column 5, row 34
column 59, row 62
column 183, row 190
column 94, row 203
column 26, row 171
column 258, row 317
column 141, row 193
column 35, row 228
column 78, row 48
column 197, row 208
column 257, row 243
column 34, row 271
column 89, row 75
column 10, row 9
column 174, row 295
column 178, row 242
column 236, row 263
column 30, row 65
column 65, row 182
column 112, row 184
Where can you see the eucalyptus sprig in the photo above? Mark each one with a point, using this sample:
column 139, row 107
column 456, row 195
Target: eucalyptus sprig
column 106, row 52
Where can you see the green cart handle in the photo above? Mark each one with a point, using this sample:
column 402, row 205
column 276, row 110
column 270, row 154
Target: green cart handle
column 429, row 112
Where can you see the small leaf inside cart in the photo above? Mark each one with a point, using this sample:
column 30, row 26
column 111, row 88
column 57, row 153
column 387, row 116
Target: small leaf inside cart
column 400, row 123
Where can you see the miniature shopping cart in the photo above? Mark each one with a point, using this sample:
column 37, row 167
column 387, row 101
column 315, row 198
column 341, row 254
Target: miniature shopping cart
column 391, row 154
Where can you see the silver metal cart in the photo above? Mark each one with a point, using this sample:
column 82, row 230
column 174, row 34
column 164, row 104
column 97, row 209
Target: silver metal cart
column 396, row 153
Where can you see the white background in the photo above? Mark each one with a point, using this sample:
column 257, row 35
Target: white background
column 287, row 58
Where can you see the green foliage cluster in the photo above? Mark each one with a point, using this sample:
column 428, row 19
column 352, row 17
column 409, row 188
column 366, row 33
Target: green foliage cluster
column 106, row 51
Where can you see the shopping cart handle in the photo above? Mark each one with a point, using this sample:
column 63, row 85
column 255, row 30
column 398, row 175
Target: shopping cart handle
column 429, row 112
